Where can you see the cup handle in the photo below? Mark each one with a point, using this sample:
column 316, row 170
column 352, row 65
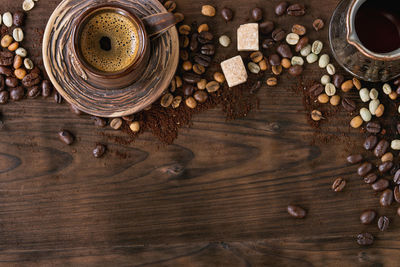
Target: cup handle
column 158, row 23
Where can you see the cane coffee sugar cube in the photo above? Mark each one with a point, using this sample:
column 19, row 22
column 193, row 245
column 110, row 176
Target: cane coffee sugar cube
column 234, row 71
column 247, row 37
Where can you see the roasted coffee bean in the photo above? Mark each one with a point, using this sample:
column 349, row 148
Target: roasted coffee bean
column 318, row 24
column 373, row 127
column 200, row 96
column 34, row 91
column 191, row 77
column 134, row 126
column 339, row 184
column 365, row 239
column 396, row 177
column 31, row 79
column 208, row 10
column 227, row 14
column 386, row 198
column 284, row 50
column 187, row 66
column 58, row 98
column 370, row 178
column 398, row 128
column 256, row 87
column 296, row 211
column 99, row 122
column 367, row 216
column 99, row 150
column 353, row 159
column 208, row 50
column 116, row 123
column 383, row 223
column 184, row 55
column 296, row 10
column 188, row 89
column 19, row 18
column 184, row 29
column 280, row 8
column 203, row 60
column 47, row 88
column 18, row 61
column 66, row 137
column 2, row 83
column 370, row 142
column 256, row 57
column 212, row 86
column 338, row 80
column 203, row 28
column 316, row 89
column 179, row 17
column 348, row 104
column 299, row 29
column 381, row 148
column 257, row 14
column 183, row 41
column 395, row 168
column 274, row 60
column 303, row 42
column 5, row 71
column 380, row 185
column 17, row 93
column 266, row 27
column 364, row 169
column 385, row 166
column 194, row 43
column 278, row 35
column 4, row 96
column 396, row 193
column 205, row 37
column 268, row 43
column 198, row 69
column 295, row 70
column 12, row 82
column 6, row 58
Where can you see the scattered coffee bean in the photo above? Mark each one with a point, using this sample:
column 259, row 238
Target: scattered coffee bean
column 286, row 63
column 396, row 193
column 31, row 79
column 296, row 70
column 323, row 98
column 296, row 211
column 370, row 178
column 205, row 37
column 353, row 159
column 266, row 27
column 212, row 86
column 339, row 184
column 198, row 69
column 316, row 89
column 4, row 96
column 191, row 102
column 268, row 43
column 325, row 79
column 380, row 185
column 19, row 18
column 263, row 64
column 20, row 73
column 373, row 127
column 176, row 102
column 383, row 223
column 365, row 114
column 18, row 34
column 296, row 60
column 373, row 94
column 224, row 40
column 348, row 104
column 7, row 19
column 284, row 50
column 66, row 137
column 134, row 126
column 370, row 142
column 58, row 98
column 323, row 61
column 280, row 8
column 191, row 78
column 356, row 122
column 364, row 169
column 367, row 216
column 395, row 145
column 316, row 47
column 274, row 60
column 299, row 29
column 201, row 85
column 188, row 89
column 253, row 67
column 200, row 96
column 203, row 28
column 203, row 60
column 256, row 57
column 28, row 5
column 356, row 83
column 386, row 198
column 219, row 77
column 208, row 10
column 116, row 123
column 256, row 87
column 6, row 58
column 396, row 178
column 318, row 24
column 296, row 10
column 292, row 38
column 373, row 106
column 272, row 81
column 34, row 91
column 330, row 69
column 227, row 14
column 316, row 115
column 312, row 58
column 194, row 43
column 306, row 50
column 381, row 148
column 257, row 14
column 47, row 88
column 387, row 157
column 11, row 82
column 278, row 35
column 380, row 110
column 365, row 239
column 14, row 46
column 330, row 89
column 277, row 70
column 338, row 80
column 303, row 42
column 17, row 93
column 99, row 150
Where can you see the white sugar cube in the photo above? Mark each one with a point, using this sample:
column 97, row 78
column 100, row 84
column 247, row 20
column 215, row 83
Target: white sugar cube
column 234, row 71
column 247, row 37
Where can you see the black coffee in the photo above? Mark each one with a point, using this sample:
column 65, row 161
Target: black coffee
column 377, row 25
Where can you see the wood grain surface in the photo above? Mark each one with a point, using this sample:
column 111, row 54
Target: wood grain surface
column 59, row 206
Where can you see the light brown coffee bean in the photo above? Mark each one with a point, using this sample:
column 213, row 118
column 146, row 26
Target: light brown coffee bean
column 347, row 86
column 191, row 102
column 134, row 126
column 20, row 73
column 285, row 62
column 203, row 28
column 201, row 85
column 116, row 123
column 166, row 100
column 299, row 29
column 14, row 46
column 208, row 10
column 185, row 29
column 187, row 65
column 178, row 81
column 335, row 100
column 272, row 81
column 323, row 98
column 387, row 157
column 277, row 70
column 256, row 56
column 380, row 110
column 176, row 102
column 18, row 61
column 356, row 122
column 200, row 96
column 357, row 83
column 6, row 41
column 316, row 115
column 199, row 69
column 212, row 86
column 219, row 77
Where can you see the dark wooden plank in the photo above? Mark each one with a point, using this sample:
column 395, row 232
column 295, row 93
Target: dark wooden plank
column 60, row 206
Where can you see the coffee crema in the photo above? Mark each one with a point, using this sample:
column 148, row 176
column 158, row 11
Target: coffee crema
column 109, row 41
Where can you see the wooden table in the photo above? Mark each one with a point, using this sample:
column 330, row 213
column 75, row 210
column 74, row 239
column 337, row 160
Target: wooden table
column 60, row 206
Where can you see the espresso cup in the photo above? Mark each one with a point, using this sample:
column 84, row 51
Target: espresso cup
column 112, row 45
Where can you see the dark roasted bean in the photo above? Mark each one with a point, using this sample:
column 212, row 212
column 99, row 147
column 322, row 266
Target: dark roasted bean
column 370, row 178
column 11, row 82
column 365, row 239
column 338, row 79
column 66, row 137
column 200, row 96
column 353, row 159
column 4, row 96
column 266, row 27
column 256, row 86
column 296, row 10
column 188, row 89
column 17, row 93
column 380, row 185
column 373, row 127
column 348, row 104
column 194, row 43
column 203, row 60
column 385, row 166
column 6, row 58
column 58, row 98
column 2, row 83
column 386, row 198
column 205, row 37
column 274, row 60
column 296, row 211
column 396, row 193
column 370, row 142
column 191, row 78
column 5, row 71
column 257, row 14
column 268, row 43
column 278, row 35
column 19, row 18
column 31, row 79
column 99, row 150
column 303, row 42
column 99, row 122
column 184, row 55
column 295, row 70
column 208, row 50
column 396, row 177
column 34, row 91
column 47, row 88
column 383, row 223
column 339, row 184
column 367, row 216
column 227, row 14
column 381, row 148
column 398, row 128
column 364, row 169
column 316, row 89
column 280, row 8
column 395, row 168
column 284, row 50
